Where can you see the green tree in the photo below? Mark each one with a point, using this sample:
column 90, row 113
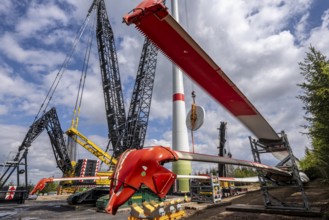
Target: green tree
column 315, row 69
column 214, row 171
column 241, row 172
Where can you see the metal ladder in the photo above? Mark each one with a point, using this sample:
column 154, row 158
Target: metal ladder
column 266, row 183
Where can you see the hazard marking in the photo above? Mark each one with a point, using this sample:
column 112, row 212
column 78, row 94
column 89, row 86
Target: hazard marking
column 9, row 196
column 11, row 192
column 96, row 169
column 12, row 188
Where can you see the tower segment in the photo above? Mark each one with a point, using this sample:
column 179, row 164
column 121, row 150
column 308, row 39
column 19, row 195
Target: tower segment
column 179, row 129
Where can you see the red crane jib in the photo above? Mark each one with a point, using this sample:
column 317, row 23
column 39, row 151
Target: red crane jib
column 138, row 167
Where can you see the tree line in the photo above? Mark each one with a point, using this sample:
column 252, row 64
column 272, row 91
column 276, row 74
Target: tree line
column 315, row 97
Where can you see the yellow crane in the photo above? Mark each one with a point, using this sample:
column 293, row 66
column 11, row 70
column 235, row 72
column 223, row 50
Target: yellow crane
column 90, row 146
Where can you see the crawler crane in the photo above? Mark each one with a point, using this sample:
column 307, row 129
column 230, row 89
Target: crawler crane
column 124, row 133
column 130, row 132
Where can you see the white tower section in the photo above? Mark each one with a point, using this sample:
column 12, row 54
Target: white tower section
column 179, row 129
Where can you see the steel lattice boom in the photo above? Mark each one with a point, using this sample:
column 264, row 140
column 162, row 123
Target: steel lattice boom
column 124, row 133
column 140, row 104
column 50, row 122
column 114, row 103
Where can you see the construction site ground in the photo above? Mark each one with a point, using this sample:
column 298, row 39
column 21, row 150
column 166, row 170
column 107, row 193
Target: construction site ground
column 317, row 195
column 55, row 207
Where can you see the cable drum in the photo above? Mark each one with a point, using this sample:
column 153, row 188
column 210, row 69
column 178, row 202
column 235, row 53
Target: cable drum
column 195, row 117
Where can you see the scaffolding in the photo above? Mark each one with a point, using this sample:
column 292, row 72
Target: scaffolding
column 268, row 184
column 206, row 190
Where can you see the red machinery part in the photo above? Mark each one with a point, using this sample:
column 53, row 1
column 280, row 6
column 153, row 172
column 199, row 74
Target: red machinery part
column 144, row 166
column 43, row 182
column 41, row 185
column 138, row 167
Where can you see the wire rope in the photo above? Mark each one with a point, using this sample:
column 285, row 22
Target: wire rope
column 188, row 28
column 83, row 76
column 61, row 71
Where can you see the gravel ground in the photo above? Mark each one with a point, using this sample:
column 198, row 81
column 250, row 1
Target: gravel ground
column 317, row 194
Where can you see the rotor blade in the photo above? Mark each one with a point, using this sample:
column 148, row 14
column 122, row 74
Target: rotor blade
column 153, row 19
column 225, row 160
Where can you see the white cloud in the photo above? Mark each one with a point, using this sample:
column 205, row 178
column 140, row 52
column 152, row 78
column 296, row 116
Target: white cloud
column 13, row 50
column 128, row 61
column 41, row 18
column 325, row 19
column 301, row 28
column 15, row 91
column 3, row 110
column 318, row 35
column 5, row 6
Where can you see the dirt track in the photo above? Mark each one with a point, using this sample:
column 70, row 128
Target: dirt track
column 317, row 194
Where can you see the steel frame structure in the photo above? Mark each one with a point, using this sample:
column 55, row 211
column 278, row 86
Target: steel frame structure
column 124, row 133
column 113, row 96
column 140, row 105
column 222, row 141
column 267, row 182
column 50, row 122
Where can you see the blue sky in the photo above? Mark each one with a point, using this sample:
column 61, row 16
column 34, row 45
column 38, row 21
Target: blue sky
column 258, row 44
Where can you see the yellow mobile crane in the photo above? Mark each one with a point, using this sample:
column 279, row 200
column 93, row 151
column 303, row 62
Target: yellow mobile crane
column 95, row 150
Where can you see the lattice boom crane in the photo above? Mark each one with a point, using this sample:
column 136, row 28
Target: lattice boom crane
column 130, row 132
column 113, row 96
